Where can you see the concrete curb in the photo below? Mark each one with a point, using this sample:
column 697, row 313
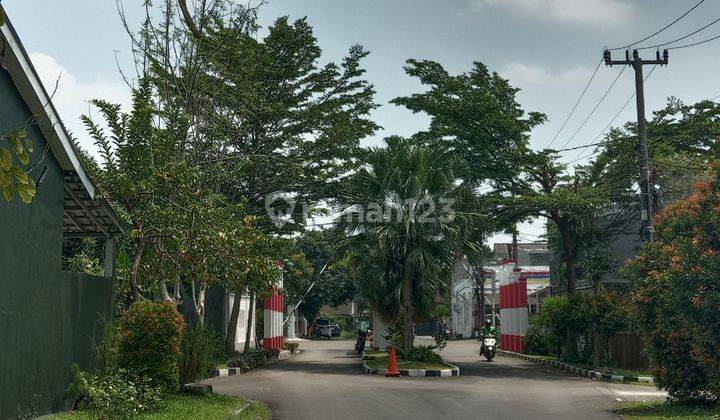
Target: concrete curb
column 585, row 373
column 284, row 354
column 440, row 373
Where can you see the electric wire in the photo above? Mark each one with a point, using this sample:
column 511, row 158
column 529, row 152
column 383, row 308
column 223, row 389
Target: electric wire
column 595, row 141
column 694, row 43
column 572, row 111
column 682, row 37
column 602, row 99
column 661, row 30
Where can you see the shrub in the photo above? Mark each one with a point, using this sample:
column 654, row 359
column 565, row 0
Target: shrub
column 247, row 361
column 115, row 396
column 200, row 348
column 676, row 287
column 149, row 336
column 107, row 352
column 424, row 354
column 581, row 315
column 291, row 346
column 272, row 353
column 535, row 340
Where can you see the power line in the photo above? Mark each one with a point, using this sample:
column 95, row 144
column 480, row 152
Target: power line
column 661, row 30
column 595, row 108
column 694, row 43
column 595, row 140
column 682, row 37
column 576, row 104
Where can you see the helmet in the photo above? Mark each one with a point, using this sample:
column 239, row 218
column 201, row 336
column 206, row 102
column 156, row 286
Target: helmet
column 488, row 323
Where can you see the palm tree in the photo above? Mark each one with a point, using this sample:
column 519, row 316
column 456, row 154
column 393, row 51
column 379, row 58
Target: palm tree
column 401, row 222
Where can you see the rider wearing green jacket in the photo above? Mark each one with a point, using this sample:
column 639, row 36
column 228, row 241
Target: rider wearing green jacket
column 488, row 330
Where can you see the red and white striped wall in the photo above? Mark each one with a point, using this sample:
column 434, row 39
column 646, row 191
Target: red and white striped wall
column 273, row 317
column 513, row 310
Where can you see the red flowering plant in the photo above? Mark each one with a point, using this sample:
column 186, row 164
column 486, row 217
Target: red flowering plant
column 676, row 288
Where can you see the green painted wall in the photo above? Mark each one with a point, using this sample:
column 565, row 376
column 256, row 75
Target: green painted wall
column 49, row 319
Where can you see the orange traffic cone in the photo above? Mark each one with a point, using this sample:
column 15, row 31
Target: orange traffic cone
column 392, row 365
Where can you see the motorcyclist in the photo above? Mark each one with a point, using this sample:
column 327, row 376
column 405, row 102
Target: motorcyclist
column 488, row 330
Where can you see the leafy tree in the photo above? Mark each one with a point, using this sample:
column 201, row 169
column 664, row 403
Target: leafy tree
column 139, row 173
column 574, row 203
column 275, row 117
column 400, row 224
column 15, row 150
column 317, row 261
column 475, row 115
column 676, row 288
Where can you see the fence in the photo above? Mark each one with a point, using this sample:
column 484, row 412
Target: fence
column 627, row 351
column 46, row 325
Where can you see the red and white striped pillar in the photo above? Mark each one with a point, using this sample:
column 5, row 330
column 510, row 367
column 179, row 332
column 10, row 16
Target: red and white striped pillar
column 513, row 311
column 273, row 316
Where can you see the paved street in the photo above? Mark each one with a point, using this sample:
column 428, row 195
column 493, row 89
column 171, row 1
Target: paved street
column 325, row 382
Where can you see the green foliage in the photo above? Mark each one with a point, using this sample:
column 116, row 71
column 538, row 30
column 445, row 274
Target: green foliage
column 201, row 347
column 120, row 395
column 394, row 337
column 271, row 354
column 579, row 315
column 291, row 346
column 149, row 338
column 401, row 227
column 311, row 252
column 535, row 340
column 83, row 255
column 14, row 176
column 475, row 114
column 250, row 360
column 107, row 351
column 676, row 288
column 284, row 120
column 424, row 354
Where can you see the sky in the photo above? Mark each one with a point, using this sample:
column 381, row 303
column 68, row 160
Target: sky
column 547, row 48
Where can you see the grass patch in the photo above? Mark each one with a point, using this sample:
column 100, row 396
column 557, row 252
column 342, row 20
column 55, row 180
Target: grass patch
column 380, row 360
column 607, row 370
column 664, row 410
column 347, row 335
column 211, row 406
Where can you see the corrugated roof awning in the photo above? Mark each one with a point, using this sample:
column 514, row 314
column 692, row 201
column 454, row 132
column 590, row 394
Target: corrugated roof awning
column 84, row 216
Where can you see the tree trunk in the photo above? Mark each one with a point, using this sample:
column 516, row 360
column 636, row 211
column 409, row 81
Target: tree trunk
column 177, row 296
column 199, row 302
column 164, row 295
column 139, row 249
column 249, row 325
column 569, row 253
column 232, row 324
column 596, row 349
column 570, row 273
column 408, row 334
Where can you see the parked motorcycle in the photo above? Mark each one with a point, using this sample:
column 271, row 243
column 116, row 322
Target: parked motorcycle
column 487, row 348
column 360, row 343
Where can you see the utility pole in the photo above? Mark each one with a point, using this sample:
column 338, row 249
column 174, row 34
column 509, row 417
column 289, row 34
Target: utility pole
column 646, row 189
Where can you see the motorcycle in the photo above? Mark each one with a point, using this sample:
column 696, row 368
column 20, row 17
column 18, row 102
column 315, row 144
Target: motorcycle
column 360, row 343
column 487, row 348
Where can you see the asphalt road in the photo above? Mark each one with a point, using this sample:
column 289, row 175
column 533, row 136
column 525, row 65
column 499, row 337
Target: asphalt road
column 326, row 381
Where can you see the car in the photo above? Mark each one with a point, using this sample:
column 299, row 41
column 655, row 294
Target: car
column 326, row 328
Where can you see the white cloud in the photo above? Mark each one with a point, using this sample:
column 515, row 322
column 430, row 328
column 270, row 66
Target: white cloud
column 72, row 96
column 521, row 75
column 585, row 12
